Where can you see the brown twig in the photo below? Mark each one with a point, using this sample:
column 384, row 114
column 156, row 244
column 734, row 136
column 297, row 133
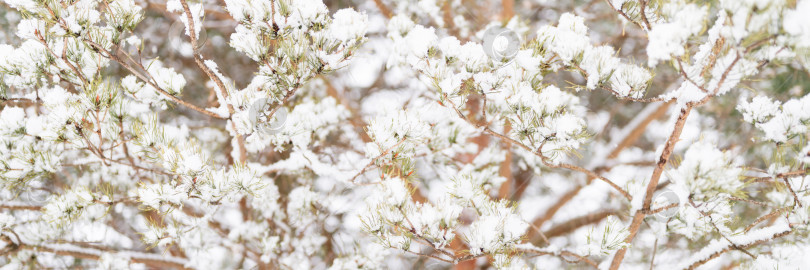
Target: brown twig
column 384, row 9
column 549, row 213
column 148, row 79
column 770, row 215
column 638, row 130
column 375, row 160
column 507, row 9
column 19, row 206
column 619, row 10
column 781, row 175
column 653, row 184
column 644, row 13
column 240, row 140
column 505, row 168
column 796, row 200
column 94, row 253
column 577, row 222
column 561, row 254
column 447, row 17
column 738, row 247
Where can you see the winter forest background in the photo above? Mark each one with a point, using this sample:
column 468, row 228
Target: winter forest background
column 387, row 134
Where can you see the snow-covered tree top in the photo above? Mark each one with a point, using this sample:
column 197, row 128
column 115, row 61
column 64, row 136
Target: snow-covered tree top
column 319, row 134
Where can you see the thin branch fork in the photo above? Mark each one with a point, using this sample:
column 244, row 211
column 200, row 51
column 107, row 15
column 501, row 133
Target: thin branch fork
column 198, row 58
column 539, row 153
column 661, row 209
column 419, row 236
column 150, row 80
column 686, row 76
column 781, row 175
column 144, row 78
column 561, row 254
column 796, row 200
column 64, row 59
column 616, row 93
column 711, row 221
column 653, row 184
column 636, row 130
column 63, row 24
column 639, row 216
column 736, row 247
column 586, row 171
column 373, row 161
column 644, row 13
column 768, row 216
column 578, row 222
column 192, row 33
column 619, row 10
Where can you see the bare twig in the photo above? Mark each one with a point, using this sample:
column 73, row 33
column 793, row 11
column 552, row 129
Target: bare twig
column 781, row 175
column 384, row 9
column 739, row 247
column 447, row 17
column 619, row 10
column 560, row 254
column 770, row 215
column 508, row 9
column 644, row 13
column 578, row 222
column 368, row 166
column 11, row 205
column 638, row 130
column 213, row 76
column 653, row 184
column 549, row 213
column 94, row 253
column 796, row 200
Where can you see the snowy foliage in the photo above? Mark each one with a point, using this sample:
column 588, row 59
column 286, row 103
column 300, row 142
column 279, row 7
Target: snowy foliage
column 319, row 134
